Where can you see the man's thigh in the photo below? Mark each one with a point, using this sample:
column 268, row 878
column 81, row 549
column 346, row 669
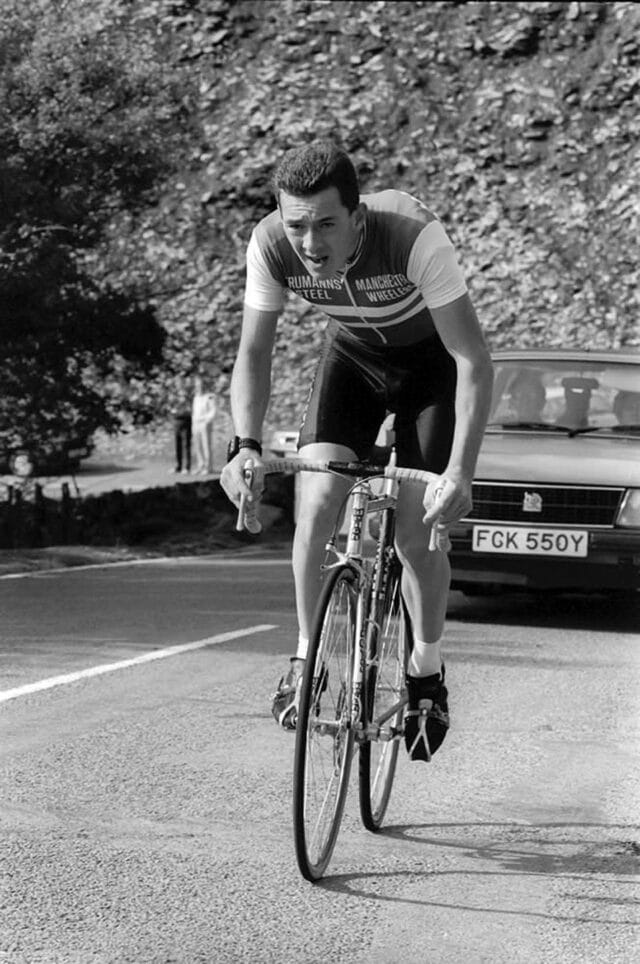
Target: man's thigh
column 346, row 404
column 424, row 438
column 321, row 492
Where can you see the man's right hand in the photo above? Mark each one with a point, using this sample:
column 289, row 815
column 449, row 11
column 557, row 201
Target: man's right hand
column 232, row 477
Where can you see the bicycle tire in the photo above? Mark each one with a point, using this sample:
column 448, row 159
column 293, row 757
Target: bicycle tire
column 324, row 734
column 385, row 684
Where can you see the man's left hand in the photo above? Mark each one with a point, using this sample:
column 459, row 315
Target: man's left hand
column 446, row 500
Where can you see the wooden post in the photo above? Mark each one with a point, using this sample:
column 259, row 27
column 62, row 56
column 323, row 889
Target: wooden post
column 5, row 517
column 17, row 520
column 65, row 513
column 40, row 516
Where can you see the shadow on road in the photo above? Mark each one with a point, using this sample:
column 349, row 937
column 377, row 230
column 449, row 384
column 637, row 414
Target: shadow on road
column 597, row 613
column 573, row 852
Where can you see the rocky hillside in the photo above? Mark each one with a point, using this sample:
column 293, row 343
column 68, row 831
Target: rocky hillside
column 518, row 123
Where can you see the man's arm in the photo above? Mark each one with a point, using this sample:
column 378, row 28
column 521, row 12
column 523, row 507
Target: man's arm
column 250, row 390
column 458, row 327
column 251, row 379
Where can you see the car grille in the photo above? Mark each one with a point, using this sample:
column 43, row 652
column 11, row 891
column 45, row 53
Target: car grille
column 558, row 505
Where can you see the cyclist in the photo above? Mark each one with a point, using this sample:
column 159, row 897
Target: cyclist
column 403, row 337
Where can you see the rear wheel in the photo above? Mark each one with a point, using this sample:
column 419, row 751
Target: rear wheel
column 384, row 694
column 324, row 734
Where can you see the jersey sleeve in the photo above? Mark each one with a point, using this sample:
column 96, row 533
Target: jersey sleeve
column 433, row 267
column 262, row 291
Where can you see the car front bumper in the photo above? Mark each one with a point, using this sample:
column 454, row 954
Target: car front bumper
column 612, row 563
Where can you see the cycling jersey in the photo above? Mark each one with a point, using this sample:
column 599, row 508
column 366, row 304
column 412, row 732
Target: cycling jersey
column 403, row 266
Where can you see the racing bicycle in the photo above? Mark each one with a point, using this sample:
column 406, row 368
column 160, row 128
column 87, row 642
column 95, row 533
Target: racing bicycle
column 353, row 687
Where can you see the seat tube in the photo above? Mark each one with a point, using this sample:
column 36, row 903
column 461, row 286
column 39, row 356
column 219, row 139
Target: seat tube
column 357, row 682
column 355, row 534
column 354, row 550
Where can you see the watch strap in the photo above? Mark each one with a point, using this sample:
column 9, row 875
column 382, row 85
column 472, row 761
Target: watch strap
column 250, row 443
column 238, row 443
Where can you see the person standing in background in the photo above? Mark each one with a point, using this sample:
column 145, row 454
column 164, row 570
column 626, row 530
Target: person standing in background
column 181, row 413
column 203, row 412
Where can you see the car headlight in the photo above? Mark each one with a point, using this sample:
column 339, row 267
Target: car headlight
column 629, row 514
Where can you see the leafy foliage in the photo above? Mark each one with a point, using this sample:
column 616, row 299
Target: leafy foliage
column 153, row 134
column 517, row 123
column 90, row 123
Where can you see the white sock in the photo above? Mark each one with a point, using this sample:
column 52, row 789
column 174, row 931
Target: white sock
column 303, row 644
column 425, row 658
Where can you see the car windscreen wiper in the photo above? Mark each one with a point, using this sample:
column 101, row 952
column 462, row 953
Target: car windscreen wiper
column 547, row 426
column 631, row 427
column 565, row 429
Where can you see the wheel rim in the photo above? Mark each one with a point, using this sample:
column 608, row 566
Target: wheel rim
column 325, row 722
column 389, row 673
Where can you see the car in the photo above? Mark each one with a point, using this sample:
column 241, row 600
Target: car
column 284, row 444
column 556, row 495
column 57, row 457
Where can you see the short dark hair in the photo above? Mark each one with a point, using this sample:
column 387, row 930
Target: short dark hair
column 315, row 167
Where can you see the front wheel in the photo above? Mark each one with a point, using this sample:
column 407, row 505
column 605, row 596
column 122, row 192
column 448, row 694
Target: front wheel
column 385, row 701
column 324, row 732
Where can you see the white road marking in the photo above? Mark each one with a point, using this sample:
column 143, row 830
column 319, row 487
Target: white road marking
column 163, row 560
column 47, row 684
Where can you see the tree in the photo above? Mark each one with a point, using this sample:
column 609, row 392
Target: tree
column 93, row 116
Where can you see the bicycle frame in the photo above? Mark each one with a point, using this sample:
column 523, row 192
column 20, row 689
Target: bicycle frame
column 365, row 502
column 359, row 628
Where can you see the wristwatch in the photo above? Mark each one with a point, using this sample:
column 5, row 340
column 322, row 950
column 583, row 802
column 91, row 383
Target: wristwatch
column 238, row 443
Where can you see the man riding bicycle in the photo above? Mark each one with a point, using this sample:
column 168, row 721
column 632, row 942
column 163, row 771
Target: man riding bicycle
column 404, row 338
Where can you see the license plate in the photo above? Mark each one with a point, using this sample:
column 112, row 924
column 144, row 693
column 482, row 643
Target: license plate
column 528, row 541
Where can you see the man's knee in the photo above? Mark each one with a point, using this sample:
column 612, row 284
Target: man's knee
column 320, row 500
column 412, row 545
column 317, row 503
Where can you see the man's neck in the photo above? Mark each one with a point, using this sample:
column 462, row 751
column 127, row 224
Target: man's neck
column 353, row 257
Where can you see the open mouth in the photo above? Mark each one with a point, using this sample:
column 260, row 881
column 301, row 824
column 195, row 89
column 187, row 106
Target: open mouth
column 316, row 262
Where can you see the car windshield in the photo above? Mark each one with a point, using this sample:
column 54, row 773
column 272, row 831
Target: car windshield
column 556, row 395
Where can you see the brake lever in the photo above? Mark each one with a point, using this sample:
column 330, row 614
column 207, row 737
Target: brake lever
column 247, row 511
column 439, row 540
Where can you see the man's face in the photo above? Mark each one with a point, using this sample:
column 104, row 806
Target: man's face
column 630, row 410
column 321, row 230
column 527, row 403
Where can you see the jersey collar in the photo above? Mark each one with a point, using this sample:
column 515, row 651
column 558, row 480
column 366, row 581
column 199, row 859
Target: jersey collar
column 357, row 251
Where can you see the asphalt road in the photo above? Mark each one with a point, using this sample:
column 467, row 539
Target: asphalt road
column 145, row 790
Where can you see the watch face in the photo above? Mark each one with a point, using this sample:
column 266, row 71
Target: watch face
column 232, row 448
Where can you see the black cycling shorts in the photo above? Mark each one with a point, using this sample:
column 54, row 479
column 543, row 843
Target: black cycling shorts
column 356, row 385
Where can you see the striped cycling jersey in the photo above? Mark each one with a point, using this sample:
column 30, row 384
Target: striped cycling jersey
column 404, row 265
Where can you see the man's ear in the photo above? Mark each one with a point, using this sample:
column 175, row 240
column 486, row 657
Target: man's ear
column 359, row 214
